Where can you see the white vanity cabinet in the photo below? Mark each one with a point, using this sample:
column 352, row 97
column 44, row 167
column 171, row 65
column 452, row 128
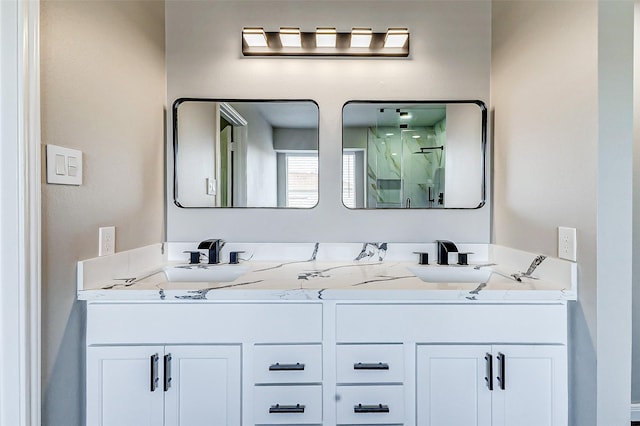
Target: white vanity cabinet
column 326, row 362
column 450, row 348
column 483, row 385
column 200, row 363
column 163, row 385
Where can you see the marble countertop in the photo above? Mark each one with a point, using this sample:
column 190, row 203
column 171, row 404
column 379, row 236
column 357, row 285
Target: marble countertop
column 371, row 278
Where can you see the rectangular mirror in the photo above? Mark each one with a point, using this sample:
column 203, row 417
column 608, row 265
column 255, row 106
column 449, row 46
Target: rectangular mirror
column 245, row 153
column 428, row 154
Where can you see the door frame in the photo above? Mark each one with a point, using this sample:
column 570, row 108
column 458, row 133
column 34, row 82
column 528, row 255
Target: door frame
column 20, row 233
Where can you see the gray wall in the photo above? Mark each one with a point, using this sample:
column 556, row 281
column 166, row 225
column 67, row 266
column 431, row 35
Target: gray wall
column 544, row 104
column 103, row 92
column 450, row 59
column 561, row 159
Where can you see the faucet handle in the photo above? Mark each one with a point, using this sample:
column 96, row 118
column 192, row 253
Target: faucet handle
column 423, row 257
column 194, row 257
column 234, row 259
column 463, row 258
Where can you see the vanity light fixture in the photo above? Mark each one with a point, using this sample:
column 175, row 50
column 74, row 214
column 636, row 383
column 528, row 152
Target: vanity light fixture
column 416, row 136
column 361, row 37
column 326, row 37
column 396, row 37
column 325, row 41
column 254, row 37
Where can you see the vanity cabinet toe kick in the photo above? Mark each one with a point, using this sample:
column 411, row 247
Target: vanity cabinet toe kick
column 327, row 363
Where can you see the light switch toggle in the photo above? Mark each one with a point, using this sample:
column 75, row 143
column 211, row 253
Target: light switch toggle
column 73, row 166
column 64, row 165
column 60, row 167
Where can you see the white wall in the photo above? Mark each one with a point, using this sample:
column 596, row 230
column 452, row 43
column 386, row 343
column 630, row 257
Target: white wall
column 463, row 150
column 261, row 162
column 103, row 92
column 197, row 133
column 635, row 388
column 450, row 59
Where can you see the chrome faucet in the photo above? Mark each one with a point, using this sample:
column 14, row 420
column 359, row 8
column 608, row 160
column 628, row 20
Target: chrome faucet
column 445, row 247
column 214, row 246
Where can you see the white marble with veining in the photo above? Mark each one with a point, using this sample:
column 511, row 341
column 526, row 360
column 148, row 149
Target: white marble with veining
column 326, row 271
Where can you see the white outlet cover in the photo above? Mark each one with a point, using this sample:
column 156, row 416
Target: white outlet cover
column 64, row 165
column 567, row 244
column 106, row 241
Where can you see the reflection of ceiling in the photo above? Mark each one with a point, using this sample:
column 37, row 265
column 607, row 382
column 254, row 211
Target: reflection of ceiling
column 385, row 115
column 286, row 114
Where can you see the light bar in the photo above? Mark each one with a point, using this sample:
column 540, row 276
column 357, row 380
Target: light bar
column 361, row 37
column 254, row 37
column 326, row 37
column 396, row 37
column 290, row 37
column 325, row 41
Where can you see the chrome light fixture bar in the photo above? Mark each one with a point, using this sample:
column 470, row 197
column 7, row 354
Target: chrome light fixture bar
column 325, row 41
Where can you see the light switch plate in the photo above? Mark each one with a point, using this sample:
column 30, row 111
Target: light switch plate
column 64, row 165
column 567, row 245
column 106, row 241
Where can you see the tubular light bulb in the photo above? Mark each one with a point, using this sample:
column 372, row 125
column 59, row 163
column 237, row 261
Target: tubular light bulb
column 290, row 37
column 361, row 37
column 325, row 37
column 255, row 37
column 396, row 37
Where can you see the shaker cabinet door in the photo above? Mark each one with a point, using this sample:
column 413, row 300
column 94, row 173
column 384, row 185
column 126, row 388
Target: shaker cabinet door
column 451, row 385
column 534, row 391
column 124, row 386
column 204, row 386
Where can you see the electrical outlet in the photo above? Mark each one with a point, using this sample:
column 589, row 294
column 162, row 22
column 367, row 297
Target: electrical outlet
column 106, row 241
column 567, row 243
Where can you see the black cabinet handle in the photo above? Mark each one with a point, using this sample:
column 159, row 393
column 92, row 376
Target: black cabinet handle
column 371, row 366
column 286, row 367
column 501, row 378
column 370, row 408
column 167, row 372
column 489, row 372
column 154, row 372
column 298, row 408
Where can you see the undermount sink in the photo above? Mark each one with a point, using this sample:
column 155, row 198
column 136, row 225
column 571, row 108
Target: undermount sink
column 204, row 273
column 451, row 274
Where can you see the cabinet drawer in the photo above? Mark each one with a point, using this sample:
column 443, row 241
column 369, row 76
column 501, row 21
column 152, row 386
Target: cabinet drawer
column 287, row 363
column 370, row 363
column 207, row 323
column 287, row 404
column 370, row 404
column 452, row 323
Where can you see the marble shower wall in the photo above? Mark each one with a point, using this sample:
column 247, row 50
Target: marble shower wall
column 396, row 174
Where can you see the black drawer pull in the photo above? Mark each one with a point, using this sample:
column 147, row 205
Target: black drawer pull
column 286, row 408
column 154, row 372
column 286, row 367
column 489, row 372
column 371, row 366
column 371, row 408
